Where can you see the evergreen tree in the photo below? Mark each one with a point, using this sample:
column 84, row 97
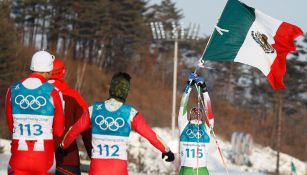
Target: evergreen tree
column 60, row 20
column 19, row 12
column 7, row 57
column 7, row 47
column 123, row 30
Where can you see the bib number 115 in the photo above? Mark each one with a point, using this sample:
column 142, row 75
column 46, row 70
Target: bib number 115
column 110, row 150
column 191, row 153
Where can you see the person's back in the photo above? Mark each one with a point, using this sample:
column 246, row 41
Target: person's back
column 34, row 113
column 111, row 122
column 111, row 127
column 74, row 107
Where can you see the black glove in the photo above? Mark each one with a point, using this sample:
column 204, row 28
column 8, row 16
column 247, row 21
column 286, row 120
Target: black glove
column 170, row 156
column 201, row 83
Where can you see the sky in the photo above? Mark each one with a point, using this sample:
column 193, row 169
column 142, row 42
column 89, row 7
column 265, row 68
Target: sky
column 206, row 12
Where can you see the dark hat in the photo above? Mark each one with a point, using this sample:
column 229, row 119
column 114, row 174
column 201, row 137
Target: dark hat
column 196, row 113
column 120, row 86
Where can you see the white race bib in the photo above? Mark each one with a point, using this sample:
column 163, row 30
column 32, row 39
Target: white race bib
column 191, row 156
column 32, row 127
column 109, row 147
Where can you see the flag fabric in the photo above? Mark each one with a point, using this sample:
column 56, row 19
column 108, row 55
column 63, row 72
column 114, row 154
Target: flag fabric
column 246, row 35
column 293, row 169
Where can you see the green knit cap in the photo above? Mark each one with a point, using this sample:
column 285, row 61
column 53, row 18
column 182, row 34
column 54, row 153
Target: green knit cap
column 120, row 85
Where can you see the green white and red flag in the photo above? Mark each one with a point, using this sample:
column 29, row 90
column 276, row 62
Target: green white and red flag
column 246, row 35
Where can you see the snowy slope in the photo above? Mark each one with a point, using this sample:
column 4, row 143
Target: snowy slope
column 145, row 159
column 4, row 157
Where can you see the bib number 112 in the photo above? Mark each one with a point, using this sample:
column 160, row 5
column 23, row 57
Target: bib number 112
column 113, row 150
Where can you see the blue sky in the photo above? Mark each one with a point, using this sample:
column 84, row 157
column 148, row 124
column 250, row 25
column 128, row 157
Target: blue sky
column 206, row 12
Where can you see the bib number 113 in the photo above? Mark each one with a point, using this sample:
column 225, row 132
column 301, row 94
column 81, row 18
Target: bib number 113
column 110, row 151
column 26, row 129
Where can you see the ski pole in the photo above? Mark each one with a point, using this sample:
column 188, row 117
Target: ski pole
column 199, row 119
column 212, row 132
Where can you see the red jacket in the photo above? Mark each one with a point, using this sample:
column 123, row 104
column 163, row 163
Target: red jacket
column 58, row 120
column 74, row 107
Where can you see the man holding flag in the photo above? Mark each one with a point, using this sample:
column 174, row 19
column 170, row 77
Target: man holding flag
column 194, row 127
column 246, row 35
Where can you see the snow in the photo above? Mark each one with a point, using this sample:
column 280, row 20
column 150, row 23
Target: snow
column 145, row 159
column 4, row 157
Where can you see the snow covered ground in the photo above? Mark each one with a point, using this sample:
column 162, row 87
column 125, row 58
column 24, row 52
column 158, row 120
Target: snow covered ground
column 144, row 159
column 4, row 157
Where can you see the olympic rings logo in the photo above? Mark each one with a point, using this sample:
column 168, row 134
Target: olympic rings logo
column 30, row 101
column 194, row 133
column 109, row 123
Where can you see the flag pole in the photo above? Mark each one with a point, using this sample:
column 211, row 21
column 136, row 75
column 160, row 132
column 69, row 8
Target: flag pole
column 209, row 40
column 211, row 129
column 201, row 58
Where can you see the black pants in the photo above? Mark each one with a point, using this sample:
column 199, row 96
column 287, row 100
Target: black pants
column 68, row 170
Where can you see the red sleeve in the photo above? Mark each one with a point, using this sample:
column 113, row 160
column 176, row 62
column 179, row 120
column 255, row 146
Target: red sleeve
column 8, row 110
column 209, row 117
column 140, row 126
column 210, row 112
column 86, row 135
column 80, row 126
column 58, row 120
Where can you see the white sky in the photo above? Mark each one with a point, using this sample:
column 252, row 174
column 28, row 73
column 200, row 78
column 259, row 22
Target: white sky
column 206, row 12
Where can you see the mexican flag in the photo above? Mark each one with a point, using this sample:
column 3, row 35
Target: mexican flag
column 293, row 169
column 246, row 35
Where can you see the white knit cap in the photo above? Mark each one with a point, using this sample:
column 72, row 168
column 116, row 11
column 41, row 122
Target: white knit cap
column 42, row 61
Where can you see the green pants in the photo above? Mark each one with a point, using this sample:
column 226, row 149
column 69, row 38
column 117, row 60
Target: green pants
column 193, row 171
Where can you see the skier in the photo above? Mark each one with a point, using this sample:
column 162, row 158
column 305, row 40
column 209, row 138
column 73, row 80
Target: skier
column 193, row 130
column 34, row 115
column 111, row 122
column 74, row 107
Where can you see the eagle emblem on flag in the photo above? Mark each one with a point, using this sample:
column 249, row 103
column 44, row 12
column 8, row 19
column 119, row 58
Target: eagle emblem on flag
column 262, row 40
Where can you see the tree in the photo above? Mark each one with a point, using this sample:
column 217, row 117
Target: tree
column 7, row 47
column 124, row 30
column 7, row 55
